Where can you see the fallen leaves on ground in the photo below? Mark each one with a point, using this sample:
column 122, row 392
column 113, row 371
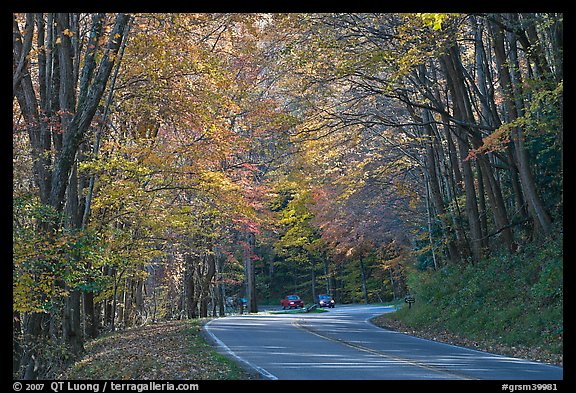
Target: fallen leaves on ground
column 492, row 346
column 164, row 351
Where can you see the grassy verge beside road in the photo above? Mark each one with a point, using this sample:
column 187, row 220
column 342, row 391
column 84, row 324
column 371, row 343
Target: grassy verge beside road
column 510, row 305
column 173, row 350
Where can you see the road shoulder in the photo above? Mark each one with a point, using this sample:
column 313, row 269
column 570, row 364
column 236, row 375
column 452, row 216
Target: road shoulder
column 388, row 321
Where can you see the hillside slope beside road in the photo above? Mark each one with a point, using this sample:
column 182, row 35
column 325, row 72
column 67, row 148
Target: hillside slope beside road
column 343, row 344
column 536, row 354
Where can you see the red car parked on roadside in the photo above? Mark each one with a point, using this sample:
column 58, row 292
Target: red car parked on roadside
column 291, row 301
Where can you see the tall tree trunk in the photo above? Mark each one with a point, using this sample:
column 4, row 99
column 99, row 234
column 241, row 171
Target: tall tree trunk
column 248, row 259
column 482, row 209
column 22, row 47
column 31, row 364
column 81, row 120
column 363, row 281
column 221, row 289
column 451, row 227
column 437, row 199
column 535, row 204
column 490, row 119
column 71, row 327
column 189, row 286
column 57, row 86
column 462, row 113
column 313, row 286
column 210, row 270
column 90, row 321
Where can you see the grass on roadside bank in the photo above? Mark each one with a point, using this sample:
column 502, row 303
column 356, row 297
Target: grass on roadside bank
column 174, row 350
column 395, row 321
column 512, row 305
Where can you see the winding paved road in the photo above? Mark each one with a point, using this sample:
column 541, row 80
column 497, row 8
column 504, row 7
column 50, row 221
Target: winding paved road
column 343, row 344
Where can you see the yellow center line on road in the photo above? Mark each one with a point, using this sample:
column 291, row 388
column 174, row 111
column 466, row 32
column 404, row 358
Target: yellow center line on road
column 297, row 323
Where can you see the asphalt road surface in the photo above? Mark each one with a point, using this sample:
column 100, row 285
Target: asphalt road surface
column 343, row 344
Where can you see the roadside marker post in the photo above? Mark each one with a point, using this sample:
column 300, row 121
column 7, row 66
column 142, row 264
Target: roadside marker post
column 409, row 299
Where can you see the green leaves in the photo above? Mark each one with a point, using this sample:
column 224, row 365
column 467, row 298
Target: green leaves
column 45, row 267
column 299, row 241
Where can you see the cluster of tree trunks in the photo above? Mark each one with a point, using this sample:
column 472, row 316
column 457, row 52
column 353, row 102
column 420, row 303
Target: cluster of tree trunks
column 69, row 96
column 64, row 106
column 454, row 122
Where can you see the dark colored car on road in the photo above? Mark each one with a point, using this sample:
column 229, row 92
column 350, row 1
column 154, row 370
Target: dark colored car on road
column 291, row 301
column 326, row 301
